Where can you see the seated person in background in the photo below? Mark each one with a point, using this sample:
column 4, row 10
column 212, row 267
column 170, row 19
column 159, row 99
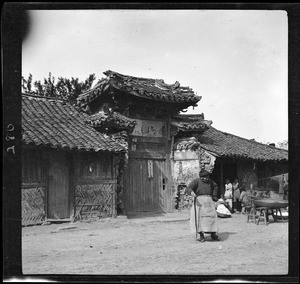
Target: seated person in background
column 245, row 199
column 264, row 194
column 222, row 209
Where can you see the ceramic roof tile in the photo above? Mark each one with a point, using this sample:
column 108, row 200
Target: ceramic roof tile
column 228, row 145
column 58, row 124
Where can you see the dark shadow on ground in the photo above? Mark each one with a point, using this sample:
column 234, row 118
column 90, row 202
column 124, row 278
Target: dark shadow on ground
column 223, row 236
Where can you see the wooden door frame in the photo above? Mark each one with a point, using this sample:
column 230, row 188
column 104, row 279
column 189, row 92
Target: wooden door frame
column 69, row 157
column 71, row 170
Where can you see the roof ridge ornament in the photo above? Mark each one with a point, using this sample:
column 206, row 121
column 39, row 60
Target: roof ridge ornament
column 159, row 83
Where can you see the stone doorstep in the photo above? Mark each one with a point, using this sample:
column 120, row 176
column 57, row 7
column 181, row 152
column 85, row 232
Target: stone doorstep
column 121, row 217
column 167, row 217
column 157, row 220
column 71, row 227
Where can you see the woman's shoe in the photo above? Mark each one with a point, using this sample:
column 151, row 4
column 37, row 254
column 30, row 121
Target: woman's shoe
column 201, row 239
column 215, row 237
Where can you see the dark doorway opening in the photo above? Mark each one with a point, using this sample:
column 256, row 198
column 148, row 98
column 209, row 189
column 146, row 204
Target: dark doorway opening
column 223, row 169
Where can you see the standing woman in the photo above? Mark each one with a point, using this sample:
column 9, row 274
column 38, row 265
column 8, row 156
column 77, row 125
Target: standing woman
column 203, row 213
column 228, row 194
column 236, row 195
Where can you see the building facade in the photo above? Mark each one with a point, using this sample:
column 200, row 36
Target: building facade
column 69, row 170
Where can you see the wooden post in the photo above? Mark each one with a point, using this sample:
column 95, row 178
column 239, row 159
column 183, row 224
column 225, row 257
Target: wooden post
column 115, row 161
column 47, row 167
column 251, row 186
column 168, row 170
column 281, row 184
column 71, row 165
column 114, row 197
column 221, row 178
column 173, row 186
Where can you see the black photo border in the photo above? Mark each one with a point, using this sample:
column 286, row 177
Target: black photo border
column 13, row 29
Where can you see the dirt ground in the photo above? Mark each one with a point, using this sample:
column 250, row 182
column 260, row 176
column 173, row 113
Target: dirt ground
column 146, row 246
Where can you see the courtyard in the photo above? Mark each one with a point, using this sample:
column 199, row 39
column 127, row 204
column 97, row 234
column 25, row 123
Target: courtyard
column 155, row 245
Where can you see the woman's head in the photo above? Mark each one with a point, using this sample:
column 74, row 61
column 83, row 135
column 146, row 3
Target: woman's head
column 204, row 173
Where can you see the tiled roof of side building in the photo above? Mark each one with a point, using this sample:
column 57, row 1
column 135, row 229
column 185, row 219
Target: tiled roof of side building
column 55, row 123
column 153, row 89
column 228, row 145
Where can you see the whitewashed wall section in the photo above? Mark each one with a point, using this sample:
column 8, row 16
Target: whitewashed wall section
column 188, row 163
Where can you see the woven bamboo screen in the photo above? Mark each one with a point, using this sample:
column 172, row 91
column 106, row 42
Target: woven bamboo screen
column 33, row 205
column 94, row 201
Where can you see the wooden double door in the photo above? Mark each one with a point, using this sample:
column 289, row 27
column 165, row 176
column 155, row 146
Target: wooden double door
column 146, row 186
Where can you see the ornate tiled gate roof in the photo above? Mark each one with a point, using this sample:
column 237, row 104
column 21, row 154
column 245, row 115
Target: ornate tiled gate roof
column 152, row 89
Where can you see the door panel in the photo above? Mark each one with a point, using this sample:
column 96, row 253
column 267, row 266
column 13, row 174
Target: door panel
column 165, row 186
column 160, row 181
column 58, row 190
column 144, row 186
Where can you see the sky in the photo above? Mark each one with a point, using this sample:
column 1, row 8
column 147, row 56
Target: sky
column 236, row 60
